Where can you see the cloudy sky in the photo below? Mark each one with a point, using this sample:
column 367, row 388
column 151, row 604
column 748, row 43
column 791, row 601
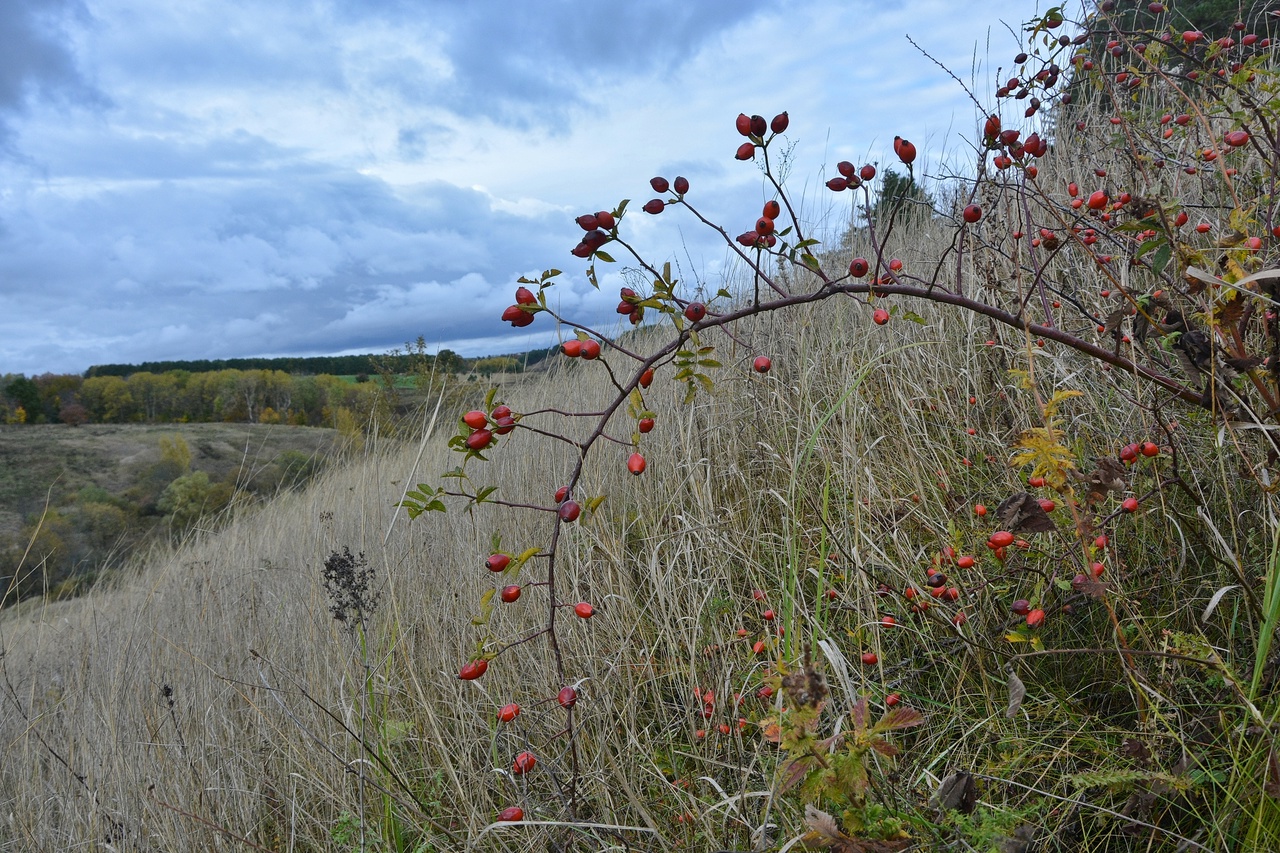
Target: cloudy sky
column 222, row 178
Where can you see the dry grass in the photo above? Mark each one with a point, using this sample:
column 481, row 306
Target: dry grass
column 213, row 701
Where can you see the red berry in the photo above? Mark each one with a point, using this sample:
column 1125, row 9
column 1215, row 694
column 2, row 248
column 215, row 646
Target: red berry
column 870, row 658
column 761, row 364
column 681, row 185
column 570, row 510
column 505, row 425
column 758, row 125
column 847, row 169
column 972, row 213
column 764, row 226
column 1000, row 539
column 635, row 464
column 660, row 185
column 572, row 348
column 1150, row 448
column 474, row 670
column 1047, row 505
column 746, row 151
column 497, row 562
column 979, row 510
column 562, row 494
column 838, row 184
column 895, row 265
column 507, row 713
column 523, row 764
column 590, row 349
column 646, row 378
column 588, row 222
column 880, row 316
column 859, row 267
column 605, row 220
column 695, row 311
column 1035, row 618
column 510, row 593
column 500, row 412
column 1129, row 505
column 524, row 296
column 516, row 316
column 892, row 700
column 480, row 439
column 1022, row 607
column 965, row 562
column 1035, row 482
column 867, row 172
column 904, row 149
column 584, row 610
column 511, row 813
column 772, row 210
column 743, row 124
column 1098, row 200
column 475, row 419
column 567, row 697
column 645, row 425
column 780, row 123
column 1236, row 138
column 769, row 615
column 654, row 206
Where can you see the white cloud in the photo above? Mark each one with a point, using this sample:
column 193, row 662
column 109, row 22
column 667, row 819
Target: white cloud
column 218, row 178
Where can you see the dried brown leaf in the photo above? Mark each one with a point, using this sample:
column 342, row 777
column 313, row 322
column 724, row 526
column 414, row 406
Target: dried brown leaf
column 1106, row 476
column 1017, row 692
column 1021, row 513
column 823, row 830
column 958, row 792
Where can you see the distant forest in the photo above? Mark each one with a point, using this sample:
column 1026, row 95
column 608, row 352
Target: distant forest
column 329, row 391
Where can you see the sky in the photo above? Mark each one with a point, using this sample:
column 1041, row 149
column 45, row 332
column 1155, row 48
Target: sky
column 189, row 179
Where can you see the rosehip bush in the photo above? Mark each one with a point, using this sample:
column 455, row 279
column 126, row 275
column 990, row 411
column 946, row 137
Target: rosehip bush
column 1068, row 251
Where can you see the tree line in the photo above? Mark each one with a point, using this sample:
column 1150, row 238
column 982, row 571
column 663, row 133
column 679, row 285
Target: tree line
column 295, row 391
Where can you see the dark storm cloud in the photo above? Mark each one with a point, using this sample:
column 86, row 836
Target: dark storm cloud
column 528, row 63
column 321, row 263
column 35, row 60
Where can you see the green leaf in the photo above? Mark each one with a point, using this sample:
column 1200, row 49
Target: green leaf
column 1150, row 244
column 525, row 556
column 1161, row 259
column 604, row 256
column 594, row 503
column 708, row 362
column 622, row 208
column 551, row 273
column 810, row 261
column 914, row 317
column 484, row 493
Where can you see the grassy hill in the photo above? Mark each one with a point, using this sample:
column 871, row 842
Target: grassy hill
column 77, row 500
column 775, row 656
